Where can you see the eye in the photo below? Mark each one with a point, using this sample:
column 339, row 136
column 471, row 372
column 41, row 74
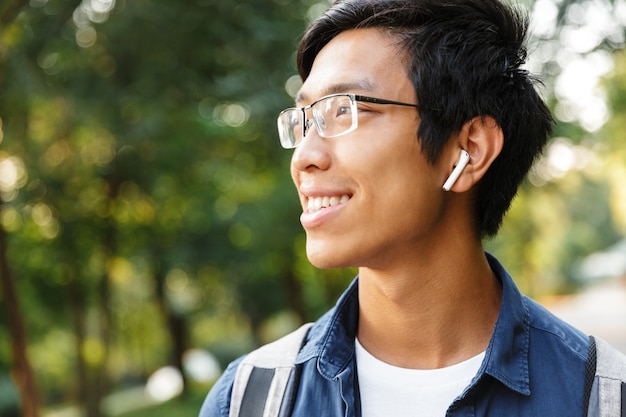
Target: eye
column 343, row 110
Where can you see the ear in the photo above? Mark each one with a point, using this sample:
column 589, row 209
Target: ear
column 483, row 139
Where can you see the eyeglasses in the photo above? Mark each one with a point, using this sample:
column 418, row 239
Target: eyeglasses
column 333, row 115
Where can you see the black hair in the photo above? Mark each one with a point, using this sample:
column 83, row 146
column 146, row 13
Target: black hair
column 464, row 59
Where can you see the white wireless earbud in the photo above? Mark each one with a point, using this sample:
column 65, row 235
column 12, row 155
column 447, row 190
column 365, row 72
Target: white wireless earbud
column 456, row 172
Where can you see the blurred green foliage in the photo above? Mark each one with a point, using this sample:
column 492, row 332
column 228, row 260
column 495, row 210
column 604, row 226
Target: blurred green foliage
column 148, row 208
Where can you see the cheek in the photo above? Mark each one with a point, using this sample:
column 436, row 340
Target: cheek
column 402, row 185
column 395, row 168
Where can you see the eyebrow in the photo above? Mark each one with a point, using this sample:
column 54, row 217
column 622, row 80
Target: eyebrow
column 363, row 85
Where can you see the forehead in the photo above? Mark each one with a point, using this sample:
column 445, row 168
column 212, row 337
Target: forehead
column 366, row 61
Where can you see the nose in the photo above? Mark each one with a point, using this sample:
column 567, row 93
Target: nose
column 312, row 153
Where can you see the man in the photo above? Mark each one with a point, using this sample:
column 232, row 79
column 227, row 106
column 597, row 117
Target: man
column 413, row 128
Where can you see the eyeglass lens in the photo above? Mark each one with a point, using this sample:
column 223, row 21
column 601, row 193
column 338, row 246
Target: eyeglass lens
column 333, row 116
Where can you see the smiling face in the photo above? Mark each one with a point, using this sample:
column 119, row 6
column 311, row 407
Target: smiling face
column 369, row 198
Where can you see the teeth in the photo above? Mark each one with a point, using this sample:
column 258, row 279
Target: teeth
column 317, row 203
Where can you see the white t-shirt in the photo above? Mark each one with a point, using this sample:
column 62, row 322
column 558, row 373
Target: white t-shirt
column 387, row 390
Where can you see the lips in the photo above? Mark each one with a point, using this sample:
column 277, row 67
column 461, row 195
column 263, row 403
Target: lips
column 315, row 204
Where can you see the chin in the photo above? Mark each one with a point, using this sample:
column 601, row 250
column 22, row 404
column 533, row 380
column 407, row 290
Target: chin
column 325, row 258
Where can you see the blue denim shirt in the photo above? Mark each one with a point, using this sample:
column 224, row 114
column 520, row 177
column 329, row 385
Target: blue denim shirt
column 534, row 365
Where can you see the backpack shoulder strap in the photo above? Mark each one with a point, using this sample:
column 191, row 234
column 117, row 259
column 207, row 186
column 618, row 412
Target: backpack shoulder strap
column 590, row 374
column 265, row 376
column 607, row 396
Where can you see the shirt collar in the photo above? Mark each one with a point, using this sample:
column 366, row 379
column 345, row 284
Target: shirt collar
column 506, row 359
column 331, row 338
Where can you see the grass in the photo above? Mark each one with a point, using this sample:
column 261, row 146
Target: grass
column 133, row 402
column 187, row 405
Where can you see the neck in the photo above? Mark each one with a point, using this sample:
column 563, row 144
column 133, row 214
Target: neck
column 431, row 313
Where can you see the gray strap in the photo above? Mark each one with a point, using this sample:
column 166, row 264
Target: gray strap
column 255, row 395
column 590, row 375
column 623, row 399
column 607, row 394
column 262, row 377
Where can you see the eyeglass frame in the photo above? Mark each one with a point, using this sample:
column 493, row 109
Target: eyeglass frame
column 354, row 98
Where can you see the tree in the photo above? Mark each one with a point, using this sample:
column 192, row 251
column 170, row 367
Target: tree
column 22, row 369
column 134, row 124
column 153, row 210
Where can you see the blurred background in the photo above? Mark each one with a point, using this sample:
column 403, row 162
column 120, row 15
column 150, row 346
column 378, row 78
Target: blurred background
column 149, row 229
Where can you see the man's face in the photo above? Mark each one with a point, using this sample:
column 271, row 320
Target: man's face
column 380, row 198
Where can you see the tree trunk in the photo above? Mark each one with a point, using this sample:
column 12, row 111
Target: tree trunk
column 76, row 303
column 176, row 323
column 97, row 373
column 22, row 371
column 10, row 10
